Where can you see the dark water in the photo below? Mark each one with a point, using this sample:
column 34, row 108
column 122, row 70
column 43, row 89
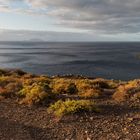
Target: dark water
column 108, row 60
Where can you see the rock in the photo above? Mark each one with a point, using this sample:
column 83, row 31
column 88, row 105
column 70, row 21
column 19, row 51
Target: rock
column 91, row 118
column 86, row 132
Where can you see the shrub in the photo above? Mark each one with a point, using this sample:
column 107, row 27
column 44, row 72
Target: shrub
column 63, row 86
column 127, row 90
column 106, row 84
column 11, row 72
column 72, row 89
column 90, row 93
column 30, row 80
column 113, row 84
column 61, row 108
column 100, row 83
column 4, row 80
column 11, row 89
column 2, row 72
column 9, row 86
column 83, row 84
column 35, row 93
column 16, row 72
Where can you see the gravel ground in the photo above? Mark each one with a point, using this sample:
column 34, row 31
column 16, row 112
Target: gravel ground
column 115, row 122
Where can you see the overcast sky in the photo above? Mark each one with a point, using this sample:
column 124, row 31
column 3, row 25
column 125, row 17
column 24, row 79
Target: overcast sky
column 70, row 20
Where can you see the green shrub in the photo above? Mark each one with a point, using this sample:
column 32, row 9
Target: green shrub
column 61, row 108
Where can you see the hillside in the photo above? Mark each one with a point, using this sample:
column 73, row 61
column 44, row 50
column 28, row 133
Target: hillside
column 68, row 107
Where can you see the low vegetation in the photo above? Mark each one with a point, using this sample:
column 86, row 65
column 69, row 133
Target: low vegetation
column 35, row 93
column 61, row 108
column 67, row 94
column 130, row 90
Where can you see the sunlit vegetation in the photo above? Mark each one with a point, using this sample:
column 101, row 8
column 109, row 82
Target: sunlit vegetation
column 61, row 108
column 35, row 93
column 91, row 93
column 64, row 86
column 127, row 91
column 67, row 94
column 9, row 86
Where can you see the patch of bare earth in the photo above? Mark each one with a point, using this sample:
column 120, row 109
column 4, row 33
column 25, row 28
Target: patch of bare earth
column 116, row 121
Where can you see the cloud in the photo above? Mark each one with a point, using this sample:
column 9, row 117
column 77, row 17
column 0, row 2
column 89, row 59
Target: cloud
column 103, row 16
column 51, row 36
column 26, row 35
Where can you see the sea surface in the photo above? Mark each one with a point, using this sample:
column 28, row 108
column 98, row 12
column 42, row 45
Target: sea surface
column 112, row 60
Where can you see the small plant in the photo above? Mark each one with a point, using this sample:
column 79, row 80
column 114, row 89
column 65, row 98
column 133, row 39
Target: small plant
column 61, row 108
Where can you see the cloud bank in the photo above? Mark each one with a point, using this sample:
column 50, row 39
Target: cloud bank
column 102, row 16
column 26, row 35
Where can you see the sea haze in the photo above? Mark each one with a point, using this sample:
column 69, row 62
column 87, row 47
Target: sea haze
column 108, row 60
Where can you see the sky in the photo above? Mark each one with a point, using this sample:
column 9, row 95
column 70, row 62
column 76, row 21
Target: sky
column 70, row 20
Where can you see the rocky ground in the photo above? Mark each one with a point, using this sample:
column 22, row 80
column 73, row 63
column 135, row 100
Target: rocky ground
column 116, row 121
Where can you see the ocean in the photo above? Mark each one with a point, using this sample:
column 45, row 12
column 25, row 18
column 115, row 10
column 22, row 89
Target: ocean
column 111, row 60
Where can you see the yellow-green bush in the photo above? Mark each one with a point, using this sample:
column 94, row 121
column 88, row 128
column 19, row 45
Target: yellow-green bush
column 87, row 89
column 61, row 108
column 63, row 86
column 82, row 87
column 35, row 93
